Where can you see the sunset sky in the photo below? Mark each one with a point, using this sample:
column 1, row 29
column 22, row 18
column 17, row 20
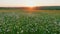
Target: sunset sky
column 23, row 3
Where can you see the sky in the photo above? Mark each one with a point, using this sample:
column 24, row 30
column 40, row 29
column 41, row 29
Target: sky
column 23, row 3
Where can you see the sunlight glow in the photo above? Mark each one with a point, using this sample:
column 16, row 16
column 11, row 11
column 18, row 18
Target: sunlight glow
column 30, row 4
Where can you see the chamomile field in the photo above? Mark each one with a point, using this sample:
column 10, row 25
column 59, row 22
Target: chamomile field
column 17, row 21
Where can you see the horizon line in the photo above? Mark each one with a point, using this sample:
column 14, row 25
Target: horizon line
column 22, row 6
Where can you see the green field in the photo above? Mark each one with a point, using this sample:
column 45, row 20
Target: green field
column 16, row 21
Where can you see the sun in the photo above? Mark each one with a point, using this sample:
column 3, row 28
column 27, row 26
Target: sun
column 31, row 6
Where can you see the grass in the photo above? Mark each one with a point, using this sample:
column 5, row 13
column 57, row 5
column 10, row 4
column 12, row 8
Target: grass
column 16, row 21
